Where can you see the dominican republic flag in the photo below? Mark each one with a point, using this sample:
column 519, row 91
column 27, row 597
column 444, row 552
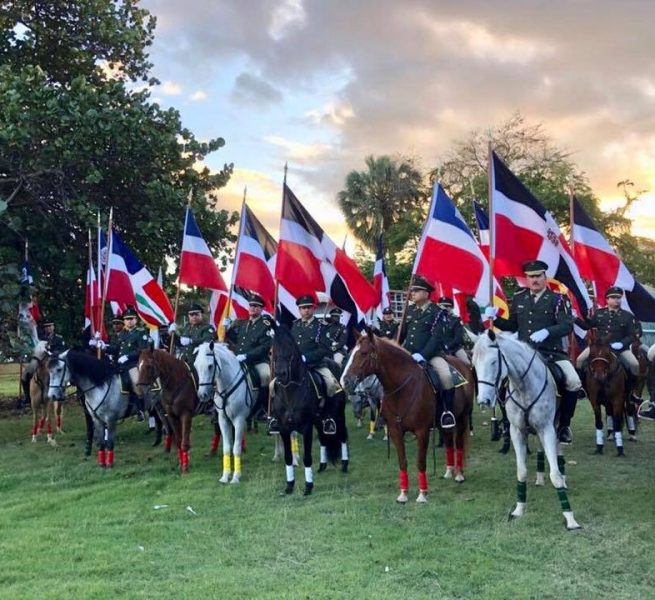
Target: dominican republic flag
column 449, row 254
column 600, row 264
column 197, row 266
column 482, row 220
column 524, row 230
column 129, row 282
column 380, row 280
column 252, row 264
column 117, row 308
column 308, row 261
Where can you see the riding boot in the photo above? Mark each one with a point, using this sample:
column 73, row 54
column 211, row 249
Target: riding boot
column 25, row 400
column 447, row 416
column 566, row 412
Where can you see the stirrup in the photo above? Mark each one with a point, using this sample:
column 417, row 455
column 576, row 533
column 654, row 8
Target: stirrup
column 329, row 426
column 447, row 420
column 273, row 426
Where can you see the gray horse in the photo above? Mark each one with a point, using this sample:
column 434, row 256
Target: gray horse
column 531, row 403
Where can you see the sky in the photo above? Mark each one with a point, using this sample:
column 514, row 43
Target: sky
column 323, row 84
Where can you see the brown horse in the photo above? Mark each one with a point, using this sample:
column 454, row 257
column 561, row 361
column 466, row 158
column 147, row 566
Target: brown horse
column 42, row 408
column 605, row 382
column 178, row 395
column 409, row 405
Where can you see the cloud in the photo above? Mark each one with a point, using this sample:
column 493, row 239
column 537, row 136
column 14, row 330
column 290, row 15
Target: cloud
column 170, row 88
column 334, row 113
column 252, row 90
column 288, row 15
column 198, row 96
column 298, row 152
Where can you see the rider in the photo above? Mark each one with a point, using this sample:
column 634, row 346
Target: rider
column 194, row 333
column 251, row 341
column 314, row 346
column 336, row 335
column 451, row 330
column 126, row 348
column 423, row 340
column 117, row 326
column 541, row 318
column 617, row 327
column 388, row 327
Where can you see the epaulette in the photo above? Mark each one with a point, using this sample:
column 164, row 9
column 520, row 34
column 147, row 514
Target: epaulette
column 521, row 291
column 267, row 320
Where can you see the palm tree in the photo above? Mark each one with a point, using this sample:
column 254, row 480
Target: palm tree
column 380, row 198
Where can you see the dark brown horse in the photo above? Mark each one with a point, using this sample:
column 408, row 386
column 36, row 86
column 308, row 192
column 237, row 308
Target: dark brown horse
column 178, row 395
column 409, row 405
column 605, row 382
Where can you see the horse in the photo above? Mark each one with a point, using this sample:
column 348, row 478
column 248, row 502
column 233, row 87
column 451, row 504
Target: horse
column 42, row 409
column 531, row 403
column 369, row 392
column 222, row 377
column 605, row 383
column 409, row 405
column 178, row 395
column 100, row 383
column 296, row 407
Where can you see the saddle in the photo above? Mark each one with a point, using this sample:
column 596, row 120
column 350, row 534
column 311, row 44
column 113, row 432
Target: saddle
column 318, row 383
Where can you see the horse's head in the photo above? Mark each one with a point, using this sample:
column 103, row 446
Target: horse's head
column 207, row 366
column 601, row 360
column 147, row 371
column 362, row 362
column 489, row 367
column 287, row 360
column 60, row 375
column 40, row 350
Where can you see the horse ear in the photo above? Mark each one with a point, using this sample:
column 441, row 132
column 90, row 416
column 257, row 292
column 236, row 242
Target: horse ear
column 211, row 345
column 491, row 334
column 370, row 334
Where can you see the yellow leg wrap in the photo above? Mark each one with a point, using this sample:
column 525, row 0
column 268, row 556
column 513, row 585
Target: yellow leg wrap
column 371, row 426
column 237, row 465
column 226, row 463
column 386, row 430
column 295, row 447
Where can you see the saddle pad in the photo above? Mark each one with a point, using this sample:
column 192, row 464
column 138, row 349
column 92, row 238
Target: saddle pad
column 458, row 379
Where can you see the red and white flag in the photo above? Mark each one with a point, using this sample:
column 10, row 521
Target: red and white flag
column 380, row 280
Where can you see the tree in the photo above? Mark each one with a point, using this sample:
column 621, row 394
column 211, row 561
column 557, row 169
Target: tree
column 75, row 140
column 388, row 197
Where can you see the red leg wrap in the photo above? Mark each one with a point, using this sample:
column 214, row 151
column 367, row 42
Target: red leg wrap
column 422, row 481
column 35, row 429
column 403, row 479
column 41, row 423
column 450, row 457
column 459, row 459
column 185, row 461
column 168, row 442
column 109, row 459
column 49, row 428
column 216, row 440
column 58, row 421
column 101, row 458
column 179, row 456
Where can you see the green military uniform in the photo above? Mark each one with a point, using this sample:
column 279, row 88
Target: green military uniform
column 311, row 340
column 612, row 325
column 55, row 343
column 418, row 330
column 449, row 332
column 387, row 329
column 336, row 336
column 528, row 314
column 252, row 338
column 129, row 342
column 203, row 332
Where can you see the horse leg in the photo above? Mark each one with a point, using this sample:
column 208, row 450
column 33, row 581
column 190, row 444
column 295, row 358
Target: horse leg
column 237, row 448
column 59, row 415
column 288, row 462
column 49, row 419
column 307, row 438
column 460, row 441
column 422, row 442
column 631, row 421
column 295, row 449
column 520, row 450
column 371, row 423
column 35, row 420
column 617, row 410
column 187, row 421
column 398, row 440
column 226, row 434
column 541, row 466
column 101, row 437
column 598, row 420
column 176, row 429
column 342, row 432
column 449, row 443
column 90, row 429
column 216, row 438
column 110, row 436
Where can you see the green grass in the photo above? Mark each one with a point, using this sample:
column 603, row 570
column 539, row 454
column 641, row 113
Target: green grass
column 70, row 530
column 9, row 374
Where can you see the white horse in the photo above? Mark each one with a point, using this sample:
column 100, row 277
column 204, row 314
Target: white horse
column 221, row 377
column 531, row 402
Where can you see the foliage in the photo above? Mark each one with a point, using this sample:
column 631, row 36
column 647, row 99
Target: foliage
column 75, row 140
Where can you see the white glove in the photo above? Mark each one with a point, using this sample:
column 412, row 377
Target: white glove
column 418, row 357
column 616, row 346
column 172, row 328
column 490, row 312
column 93, row 342
column 100, row 344
column 539, row 336
column 97, row 335
column 123, row 359
column 185, row 341
column 227, row 322
column 241, row 357
column 303, row 358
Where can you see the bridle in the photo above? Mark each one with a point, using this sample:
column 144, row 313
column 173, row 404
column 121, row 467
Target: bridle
column 214, row 368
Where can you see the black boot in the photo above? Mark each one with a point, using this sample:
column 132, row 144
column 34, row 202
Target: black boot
column 25, row 400
column 566, row 412
column 447, row 416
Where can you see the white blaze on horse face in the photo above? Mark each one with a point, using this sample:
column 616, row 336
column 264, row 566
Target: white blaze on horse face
column 342, row 381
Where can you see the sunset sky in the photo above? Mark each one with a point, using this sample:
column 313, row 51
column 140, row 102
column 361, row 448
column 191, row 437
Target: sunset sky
column 323, row 84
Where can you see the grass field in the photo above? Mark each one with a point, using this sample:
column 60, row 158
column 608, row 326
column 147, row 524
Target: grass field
column 70, row 530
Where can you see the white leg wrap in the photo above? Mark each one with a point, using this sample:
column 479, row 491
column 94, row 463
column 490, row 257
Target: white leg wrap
column 290, row 475
column 631, row 423
column 610, row 422
column 323, row 458
column 309, row 475
column 618, row 439
column 344, row 451
column 600, row 437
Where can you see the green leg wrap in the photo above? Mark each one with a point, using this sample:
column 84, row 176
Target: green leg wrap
column 522, row 491
column 541, row 463
column 561, row 464
column 563, row 499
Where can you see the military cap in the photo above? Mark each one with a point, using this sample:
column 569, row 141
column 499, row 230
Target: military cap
column 129, row 313
column 306, row 300
column 194, row 308
column 387, row 311
column 535, row 267
column 47, row 322
column 336, row 312
column 117, row 319
column 256, row 300
column 420, row 284
column 446, row 301
column 614, row 292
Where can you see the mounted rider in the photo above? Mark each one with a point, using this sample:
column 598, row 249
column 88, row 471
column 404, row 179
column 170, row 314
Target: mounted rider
column 125, row 350
column 194, row 333
column 450, row 330
column 388, row 327
column 541, row 318
column 117, row 325
column 250, row 339
column 336, row 334
column 423, row 338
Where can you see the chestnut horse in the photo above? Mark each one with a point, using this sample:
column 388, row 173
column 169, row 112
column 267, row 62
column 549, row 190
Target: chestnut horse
column 42, row 409
column 178, row 395
column 409, row 405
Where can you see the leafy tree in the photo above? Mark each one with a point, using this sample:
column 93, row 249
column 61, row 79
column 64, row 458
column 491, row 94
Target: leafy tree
column 75, row 140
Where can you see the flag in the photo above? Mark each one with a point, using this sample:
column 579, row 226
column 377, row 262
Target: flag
column 28, row 308
column 482, row 221
column 197, row 266
column 93, row 303
column 129, row 282
column 524, row 230
column 600, row 264
column 380, row 280
column 308, row 261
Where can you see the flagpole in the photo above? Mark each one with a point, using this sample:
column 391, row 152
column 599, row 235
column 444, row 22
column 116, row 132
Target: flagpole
column 91, row 316
column 179, row 272
column 492, row 218
column 110, row 227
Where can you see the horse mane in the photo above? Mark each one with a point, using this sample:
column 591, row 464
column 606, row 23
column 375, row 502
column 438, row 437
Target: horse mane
column 283, row 339
column 85, row 365
column 392, row 346
column 171, row 362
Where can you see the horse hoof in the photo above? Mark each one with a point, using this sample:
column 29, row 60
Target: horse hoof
column 449, row 473
column 422, row 498
column 620, row 453
column 599, row 449
column 385, row 438
column 540, row 480
column 235, row 479
column 344, row 466
column 322, row 467
column 504, row 449
column 289, row 488
column 368, row 437
column 459, row 478
column 33, row 438
column 52, row 443
column 402, row 499
column 224, row 479
column 308, row 489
